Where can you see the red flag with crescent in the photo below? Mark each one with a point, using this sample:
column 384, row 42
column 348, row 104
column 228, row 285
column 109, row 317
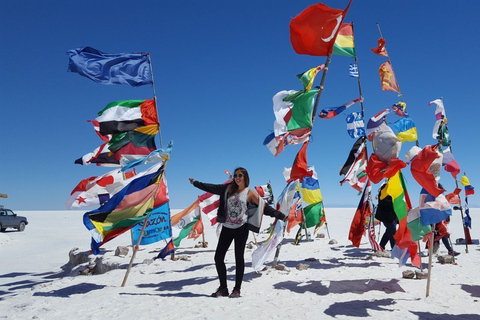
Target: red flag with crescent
column 315, row 29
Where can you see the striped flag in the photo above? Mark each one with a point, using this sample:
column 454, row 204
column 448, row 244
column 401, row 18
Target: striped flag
column 353, row 70
column 371, row 236
column 209, row 204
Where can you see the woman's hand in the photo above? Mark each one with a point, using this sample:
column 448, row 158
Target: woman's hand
column 191, row 180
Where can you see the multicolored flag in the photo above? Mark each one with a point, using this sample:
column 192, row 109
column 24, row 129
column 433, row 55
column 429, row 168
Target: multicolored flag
column 315, row 29
column 364, row 209
column 95, row 191
column 469, row 190
column 308, row 77
column 313, row 214
column 441, row 118
column 433, row 209
column 380, row 49
column 449, row 163
column 159, row 155
column 355, row 125
column 406, row 130
column 127, row 115
column 169, row 248
column 110, row 68
column 276, row 145
column 125, row 209
column 290, row 116
column 387, row 77
column 266, row 193
column 414, row 224
column 295, row 216
column 310, row 189
column 377, row 124
column 344, row 43
column 329, row 113
column 183, row 223
column 355, row 168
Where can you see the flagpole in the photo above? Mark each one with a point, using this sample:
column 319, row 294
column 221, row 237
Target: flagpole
column 204, row 244
column 134, row 248
column 429, row 266
column 155, row 99
column 388, row 59
column 322, row 82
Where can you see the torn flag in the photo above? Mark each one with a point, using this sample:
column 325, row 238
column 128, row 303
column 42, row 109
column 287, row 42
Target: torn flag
column 308, row 77
column 329, row 113
column 380, row 49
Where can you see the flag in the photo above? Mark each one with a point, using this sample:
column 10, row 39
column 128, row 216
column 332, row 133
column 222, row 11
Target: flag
column 355, row 168
column 464, row 181
column 313, row 214
column 400, row 109
column 377, row 124
column 286, row 197
column 469, row 190
column 406, row 130
column 314, row 30
column 101, row 156
column 355, row 125
column 138, row 142
column 433, row 209
column 266, row 193
column 276, row 144
column 310, row 188
column 353, row 70
column 127, row 115
column 344, row 43
column 209, row 204
column 420, row 170
column 329, row 113
column 380, row 49
column 371, row 235
column 110, row 68
column 169, row 248
column 94, row 191
column 184, row 222
column 440, row 117
column 158, row 226
column 295, row 216
column 414, row 224
column 300, row 166
column 467, row 219
column 449, row 163
column 364, row 209
column 307, row 77
column 159, row 155
column 387, row 77
column 290, row 116
column 126, row 208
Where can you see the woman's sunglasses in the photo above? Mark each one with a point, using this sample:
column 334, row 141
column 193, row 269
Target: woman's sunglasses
column 238, row 175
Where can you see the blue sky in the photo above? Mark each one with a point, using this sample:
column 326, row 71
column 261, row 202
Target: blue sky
column 217, row 65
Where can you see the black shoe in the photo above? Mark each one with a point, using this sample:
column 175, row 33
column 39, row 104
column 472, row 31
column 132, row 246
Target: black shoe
column 221, row 292
column 235, row 293
column 453, row 253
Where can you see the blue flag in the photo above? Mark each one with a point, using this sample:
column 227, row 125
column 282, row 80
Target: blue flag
column 110, row 68
column 355, row 125
column 158, row 226
column 353, row 70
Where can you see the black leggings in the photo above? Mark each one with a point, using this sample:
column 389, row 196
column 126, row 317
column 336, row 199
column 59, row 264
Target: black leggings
column 227, row 235
column 390, row 230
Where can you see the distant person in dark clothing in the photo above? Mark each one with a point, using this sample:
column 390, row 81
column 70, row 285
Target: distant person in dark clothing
column 387, row 216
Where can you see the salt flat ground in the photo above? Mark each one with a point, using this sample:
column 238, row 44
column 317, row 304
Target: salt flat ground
column 342, row 281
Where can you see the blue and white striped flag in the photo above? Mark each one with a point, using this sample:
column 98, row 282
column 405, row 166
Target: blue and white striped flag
column 355, row 125
column 353, row 70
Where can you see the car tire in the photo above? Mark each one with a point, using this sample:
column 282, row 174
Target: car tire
column 21, row 226
column 2, row 229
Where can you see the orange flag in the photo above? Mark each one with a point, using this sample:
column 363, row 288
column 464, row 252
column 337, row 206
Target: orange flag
column 315, row 29
column 196, row 231
column 388, row 78
column 295, row 217
column 380, row 49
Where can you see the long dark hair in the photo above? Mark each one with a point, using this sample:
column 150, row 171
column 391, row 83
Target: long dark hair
column 233, row 188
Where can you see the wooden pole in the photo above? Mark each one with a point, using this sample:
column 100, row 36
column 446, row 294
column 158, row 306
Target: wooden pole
column 419, row 252
column 430, row 265
column 204, row 244
column 143, row 231
column 322, row 82
column 463, row 221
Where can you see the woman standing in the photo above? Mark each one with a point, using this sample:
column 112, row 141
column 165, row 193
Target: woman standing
column 240, row 210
